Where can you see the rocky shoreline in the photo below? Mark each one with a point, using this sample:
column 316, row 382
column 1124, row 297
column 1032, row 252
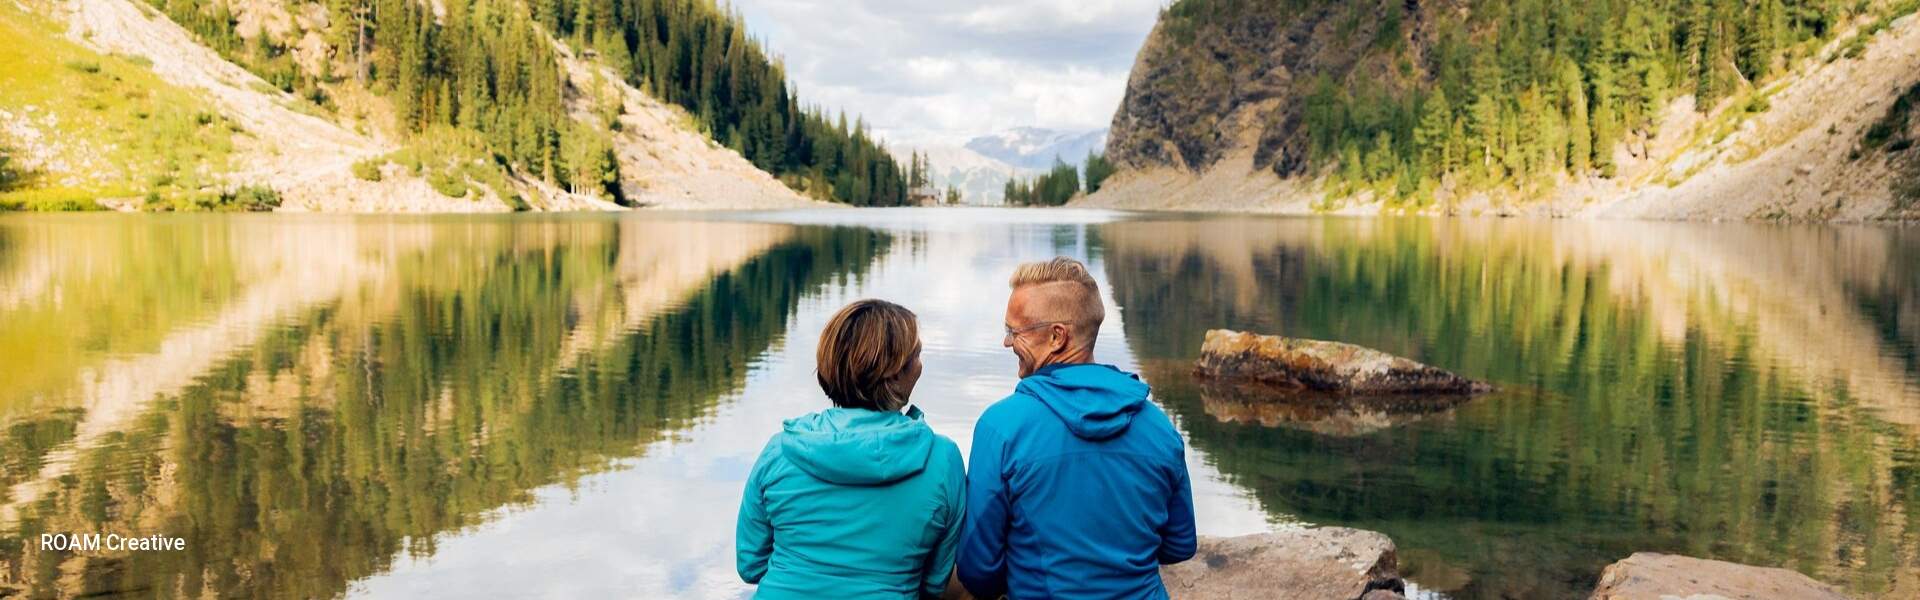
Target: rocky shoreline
column 1339, row 563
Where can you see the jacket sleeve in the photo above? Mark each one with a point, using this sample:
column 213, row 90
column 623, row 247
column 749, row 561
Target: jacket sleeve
column 1177, row 538
column 940, row 561
column 983, row 545
column 753, row 532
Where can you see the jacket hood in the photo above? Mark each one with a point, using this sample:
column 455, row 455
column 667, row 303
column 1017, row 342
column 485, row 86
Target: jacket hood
column 1095, row 401
column 851, row 446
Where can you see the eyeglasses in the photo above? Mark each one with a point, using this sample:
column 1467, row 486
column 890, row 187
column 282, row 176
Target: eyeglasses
column 1016, row 331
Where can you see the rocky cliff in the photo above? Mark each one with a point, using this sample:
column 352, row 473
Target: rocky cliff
column 1309, row 106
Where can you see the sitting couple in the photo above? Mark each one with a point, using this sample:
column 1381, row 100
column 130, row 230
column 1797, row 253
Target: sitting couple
column 1077, row 488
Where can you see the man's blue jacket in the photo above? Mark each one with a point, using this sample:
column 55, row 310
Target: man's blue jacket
column 1076, row 488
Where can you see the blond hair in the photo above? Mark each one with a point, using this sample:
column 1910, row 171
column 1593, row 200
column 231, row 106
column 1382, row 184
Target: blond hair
column 864, row 352
column 1068, row 294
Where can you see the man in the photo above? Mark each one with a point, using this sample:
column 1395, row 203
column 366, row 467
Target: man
column 1077, row 485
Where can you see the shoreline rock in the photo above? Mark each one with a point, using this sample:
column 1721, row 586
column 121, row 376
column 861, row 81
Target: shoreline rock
column 1317, row 563
column 1340, row 563
column 1322, row 367
column 1305, row 563
column 1655, row 576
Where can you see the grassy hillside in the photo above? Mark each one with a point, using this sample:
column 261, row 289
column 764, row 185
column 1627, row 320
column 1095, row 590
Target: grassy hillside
column 81, row 126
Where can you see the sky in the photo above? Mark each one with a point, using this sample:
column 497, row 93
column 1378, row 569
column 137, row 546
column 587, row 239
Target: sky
column 926, row 72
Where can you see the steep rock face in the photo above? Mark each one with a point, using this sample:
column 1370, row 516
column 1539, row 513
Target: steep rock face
column 1217, row 114
column 1235, row 80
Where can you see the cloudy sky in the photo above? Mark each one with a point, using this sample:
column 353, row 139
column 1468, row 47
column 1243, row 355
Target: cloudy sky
column 942, row 71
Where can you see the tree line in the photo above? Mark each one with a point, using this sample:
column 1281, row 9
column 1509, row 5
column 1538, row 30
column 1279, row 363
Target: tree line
column 1513, row 92
column 1060, row 184
column 488, row 66
column 694, row 54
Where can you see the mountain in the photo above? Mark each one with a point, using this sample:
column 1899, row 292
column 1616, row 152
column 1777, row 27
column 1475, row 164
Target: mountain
column 1794, row 109
column 398, row 105
column 981, row 180
column 981, row 167
column 1035, row 148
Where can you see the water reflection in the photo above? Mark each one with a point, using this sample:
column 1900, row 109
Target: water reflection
column 1744, row 393
column 529, row 405
column 661, row 525
column 367, row 386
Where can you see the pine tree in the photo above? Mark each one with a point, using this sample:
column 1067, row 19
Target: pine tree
column 1431, row 138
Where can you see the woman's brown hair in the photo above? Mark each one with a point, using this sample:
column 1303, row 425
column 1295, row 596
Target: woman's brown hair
column 866, row 355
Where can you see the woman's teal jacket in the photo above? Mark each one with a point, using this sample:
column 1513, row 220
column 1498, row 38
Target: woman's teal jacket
column 851, row 503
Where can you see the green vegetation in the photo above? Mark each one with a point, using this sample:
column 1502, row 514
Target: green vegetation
column 369, row 169
column 453, row 161
column 1518, row 93
column 248, row 198
column 488, row 67
column 7, row 174
column 919, row 172
column 112, row 127
column 1096, row 170
column 1053, row 188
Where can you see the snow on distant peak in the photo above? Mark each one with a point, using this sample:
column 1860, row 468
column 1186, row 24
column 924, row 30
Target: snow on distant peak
column 1036, row 148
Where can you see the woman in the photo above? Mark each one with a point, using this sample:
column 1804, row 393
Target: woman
column 859, row 500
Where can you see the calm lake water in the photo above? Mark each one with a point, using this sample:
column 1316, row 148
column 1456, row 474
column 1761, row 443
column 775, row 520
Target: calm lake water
column 566, row 406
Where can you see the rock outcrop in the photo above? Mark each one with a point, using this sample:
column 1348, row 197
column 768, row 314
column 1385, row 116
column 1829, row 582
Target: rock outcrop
column 1330, row 563
column 1652, row 576
column 1320, row 367
column 1308, row 564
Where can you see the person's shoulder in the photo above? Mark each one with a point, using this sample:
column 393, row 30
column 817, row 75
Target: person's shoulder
column 946, row 453
column 770, row 452
column 1154, row 420
column 943, row 445
column 1014, row 404
column 1008, row 412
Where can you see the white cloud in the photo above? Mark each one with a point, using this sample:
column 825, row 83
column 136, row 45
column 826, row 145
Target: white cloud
column 927, row 71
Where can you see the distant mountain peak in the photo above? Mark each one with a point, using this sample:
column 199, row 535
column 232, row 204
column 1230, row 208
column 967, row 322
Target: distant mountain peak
column 1037, row 147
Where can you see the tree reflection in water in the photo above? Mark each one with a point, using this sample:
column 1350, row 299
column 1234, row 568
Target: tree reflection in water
column 1741, row 393
column 385, row 385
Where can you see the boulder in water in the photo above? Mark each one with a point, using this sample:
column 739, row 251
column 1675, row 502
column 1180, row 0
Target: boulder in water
column 1322, row 367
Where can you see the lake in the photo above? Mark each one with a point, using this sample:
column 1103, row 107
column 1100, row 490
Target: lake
column 567, row 406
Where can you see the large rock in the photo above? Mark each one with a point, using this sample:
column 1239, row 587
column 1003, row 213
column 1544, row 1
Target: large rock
column 1334, row 563
column 1321, row 367
column 1652, row 576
